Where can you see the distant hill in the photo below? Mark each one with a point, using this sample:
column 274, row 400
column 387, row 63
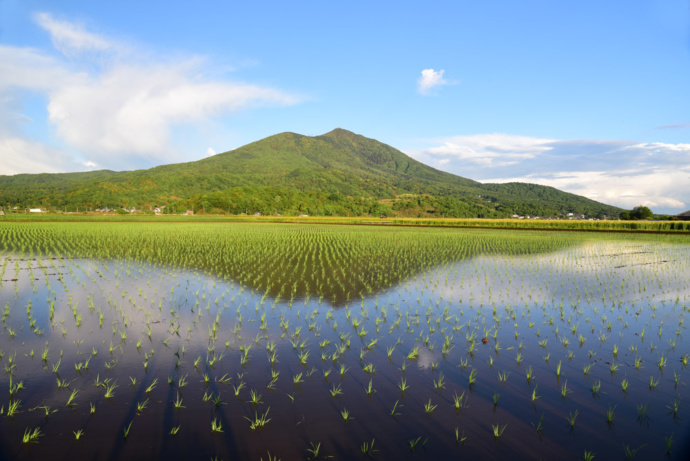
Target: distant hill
column 338, row 173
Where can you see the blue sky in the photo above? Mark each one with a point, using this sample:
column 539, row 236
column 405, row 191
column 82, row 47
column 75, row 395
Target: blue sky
column 591, row 97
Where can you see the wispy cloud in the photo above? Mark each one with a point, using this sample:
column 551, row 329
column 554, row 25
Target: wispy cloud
column 109, row 105
column 622, row 173
column 430, row 79
column 675, row 126
column 69, row 37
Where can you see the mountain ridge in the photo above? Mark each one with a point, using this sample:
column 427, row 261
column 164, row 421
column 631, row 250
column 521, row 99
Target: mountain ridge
column 336, row 173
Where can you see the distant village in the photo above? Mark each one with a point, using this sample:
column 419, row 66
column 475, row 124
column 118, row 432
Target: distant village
column 685, row 216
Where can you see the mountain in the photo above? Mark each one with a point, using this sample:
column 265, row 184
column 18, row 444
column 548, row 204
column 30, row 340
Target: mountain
column 338, row 173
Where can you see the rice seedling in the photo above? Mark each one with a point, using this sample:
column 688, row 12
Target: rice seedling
column 70, row 400
column 368, row 449
column 534, row 395
column 498, row 430
column 429, row 407
column 335, row 391
column 31, row 436
column 609, row 414
column 258, row 421
column 346, row 415
column 403, row 385
column 394, row 412
column 127, row 429
column 472, row 377
column 653, row 383
column 674, row 407
column 596, row 387
column 174, row 430
column 216, row 426
column 571, row 419
column 440, row 383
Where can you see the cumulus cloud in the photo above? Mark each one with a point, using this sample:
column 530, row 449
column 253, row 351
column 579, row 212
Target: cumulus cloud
column 622, row 173
column 109, row 105
column 210, row 151
column 429, row 79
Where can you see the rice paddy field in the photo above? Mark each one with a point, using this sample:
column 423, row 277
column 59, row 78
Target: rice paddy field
column 274, row 341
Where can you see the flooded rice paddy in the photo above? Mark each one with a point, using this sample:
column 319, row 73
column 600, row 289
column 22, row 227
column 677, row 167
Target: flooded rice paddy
column 254, row 341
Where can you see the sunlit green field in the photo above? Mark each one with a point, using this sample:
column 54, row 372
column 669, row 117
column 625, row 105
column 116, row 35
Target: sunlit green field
column 276, row 341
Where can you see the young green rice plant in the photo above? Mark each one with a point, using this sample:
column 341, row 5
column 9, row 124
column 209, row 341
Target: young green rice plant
column 429, row 407
column 346, row 415
column 588, row 456
column 495, row 397
column 503, row 376
column 534, row 395
column 558, row 369
column 216, row 426
column 70, row 400
column 238, row 388
column 141, row 406
column 653, row 383
column 498, row 431
column 414, row 354
column 403, row 385
column 587, row 369
column 13, row 408
column 152, row 386
column 296, row 379
column 473, row 377
column 571, row 419
column 78, row 434
column 539, row 426
column 92, row 408
column 596, row 387
column 459, row 401
column 661, row 363
column 370, row 388
column 669, row 442
column 624, row 384
column 254, row 397
column 368, row 449
column 127, row 429
column 440, row 384
column 31, row 436
column 174, row 430
column 414, row 442
column 609, row 414
column 529, row 373
column 259, row 421
column 110, row 391
column 564, row 390
column 369, row 368
column 394, row 411
column 343, row 370
column 675, row 406
column 336, row 390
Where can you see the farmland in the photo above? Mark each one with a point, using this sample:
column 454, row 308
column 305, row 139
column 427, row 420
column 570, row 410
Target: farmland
column 238, row 340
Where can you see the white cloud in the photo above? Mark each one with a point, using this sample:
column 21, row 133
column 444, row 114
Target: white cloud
column 429, row 79
column 22, row 156
column 210, row 152
column 112, row 105
column 490, row 149
column 131, row 109
column 621, row 173
column 89, row 164
column 69, row 37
